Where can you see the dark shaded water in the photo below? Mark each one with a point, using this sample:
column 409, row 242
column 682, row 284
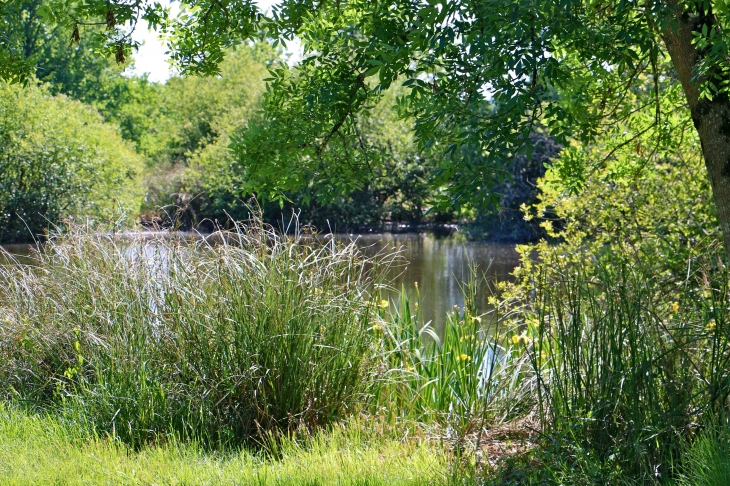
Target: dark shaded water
column 437, row 264
column 17, row 252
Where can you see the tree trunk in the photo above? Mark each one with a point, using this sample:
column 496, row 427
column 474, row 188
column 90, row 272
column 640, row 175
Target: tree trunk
column 711, row 117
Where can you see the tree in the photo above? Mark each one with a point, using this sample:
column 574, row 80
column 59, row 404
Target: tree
column 73, row 69
column 194, row 117
column 77, row 70
column 482, row 73
column 59, row 160
column 396, row 191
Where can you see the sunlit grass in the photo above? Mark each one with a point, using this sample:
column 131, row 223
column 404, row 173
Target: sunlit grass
column 44, row 451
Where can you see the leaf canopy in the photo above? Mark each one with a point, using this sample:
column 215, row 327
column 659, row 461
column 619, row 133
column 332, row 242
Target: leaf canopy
column 482, row 74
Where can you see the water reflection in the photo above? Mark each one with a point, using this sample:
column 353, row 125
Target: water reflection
column 16, row 253
column 439, row 265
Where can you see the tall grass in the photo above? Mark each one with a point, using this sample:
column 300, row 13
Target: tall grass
column 466, row 378
column 223, row 343
column 259, row 335
column 629, row 363
column 707, row 460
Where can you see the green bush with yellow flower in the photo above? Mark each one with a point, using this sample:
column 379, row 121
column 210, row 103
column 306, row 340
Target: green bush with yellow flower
column 461, row 379
column 623, row 310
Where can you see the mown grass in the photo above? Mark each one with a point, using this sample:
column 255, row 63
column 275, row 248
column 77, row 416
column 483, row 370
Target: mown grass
column 43, row 450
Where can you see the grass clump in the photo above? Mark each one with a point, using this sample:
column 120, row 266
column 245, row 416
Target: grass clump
column 629, row 363
column 146, row 339
column 707, row 459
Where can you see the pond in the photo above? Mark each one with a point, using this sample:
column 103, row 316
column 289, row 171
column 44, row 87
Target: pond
column 437, row 264
column 19, row 253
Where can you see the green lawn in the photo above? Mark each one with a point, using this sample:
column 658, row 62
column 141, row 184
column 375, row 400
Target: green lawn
column 36, row 450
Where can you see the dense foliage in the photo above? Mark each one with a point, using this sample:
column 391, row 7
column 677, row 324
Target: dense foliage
column 59, row 160
column 478, row 74
column 397, row 190
column 638, row 205
column 626, row 312
column 183, row 130
column 194, row 115
column 516, row 190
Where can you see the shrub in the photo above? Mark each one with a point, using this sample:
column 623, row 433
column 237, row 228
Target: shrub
column 626, row 310
column 657, row 212
column 224, row 343
column 59, row 160
column 193, row 118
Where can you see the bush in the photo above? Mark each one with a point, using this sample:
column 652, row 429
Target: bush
column 59, row 160
column 658, row 212
column 627, row 310
column 193, row 116
column 141, row 339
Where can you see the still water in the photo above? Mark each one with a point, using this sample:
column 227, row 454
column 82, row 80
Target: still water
column 19, row 253
column 437, row 264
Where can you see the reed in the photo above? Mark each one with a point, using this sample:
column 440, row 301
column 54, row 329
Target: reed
column 470, row 376
column 150, row 338
column 629, row 362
